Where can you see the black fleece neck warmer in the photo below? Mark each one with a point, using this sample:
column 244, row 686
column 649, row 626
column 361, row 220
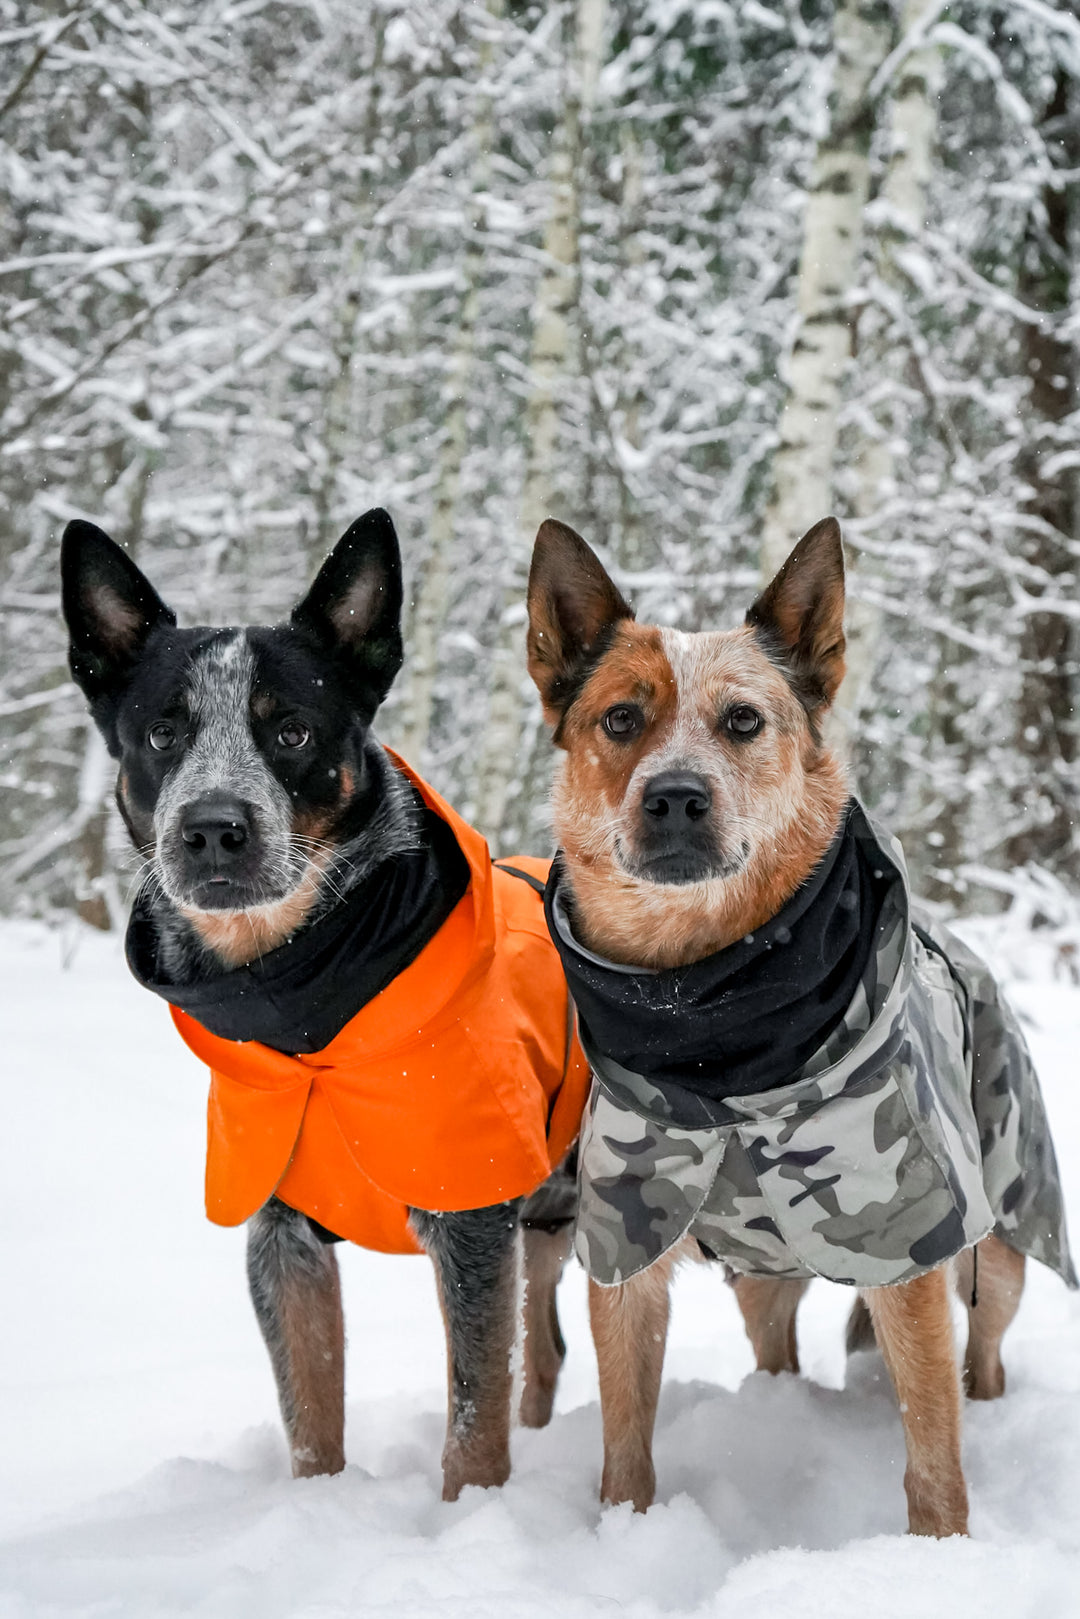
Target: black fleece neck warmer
column 299, row 996
column 748, row 1018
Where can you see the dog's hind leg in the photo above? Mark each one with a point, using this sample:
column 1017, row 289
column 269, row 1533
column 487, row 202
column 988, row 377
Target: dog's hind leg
column 296, row 1291
column 995, row 1280
column 913, row 1326
column 477, row 1259
column 629, row 1327
column 768, row 1306
column 859, row 1333
column 547, row 1219
column 546, row 1252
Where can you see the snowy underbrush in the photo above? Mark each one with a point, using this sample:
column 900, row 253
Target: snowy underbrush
column 143, row 1472
column 1037, row 938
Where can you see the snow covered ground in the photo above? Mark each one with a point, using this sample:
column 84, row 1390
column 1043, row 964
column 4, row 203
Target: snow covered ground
column 143, row 1472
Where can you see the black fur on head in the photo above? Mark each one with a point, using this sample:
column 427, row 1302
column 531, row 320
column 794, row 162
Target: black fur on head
column 245, row 754
column 111, row 610
column 354, row 607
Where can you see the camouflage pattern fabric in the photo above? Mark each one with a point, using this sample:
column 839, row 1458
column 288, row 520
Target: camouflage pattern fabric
column 915, row 1130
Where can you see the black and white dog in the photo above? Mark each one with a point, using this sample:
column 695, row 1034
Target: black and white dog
column 267, row 813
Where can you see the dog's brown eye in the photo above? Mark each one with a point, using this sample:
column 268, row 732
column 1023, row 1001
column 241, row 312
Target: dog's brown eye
column 743, row 721
column 161, row 737
column 293, row 734
column 623, row 721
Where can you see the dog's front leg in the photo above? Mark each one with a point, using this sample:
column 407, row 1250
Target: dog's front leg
column 477, row 1266
column 629, row 1327
column 295, row 1289
column 913, row 1325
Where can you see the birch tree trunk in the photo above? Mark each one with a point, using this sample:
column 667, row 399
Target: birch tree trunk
column 433, row 588
column 832, row 238
column 552, row 361
column 913, row 135
column 92, row 820
column 338, row 414
column 632, row 547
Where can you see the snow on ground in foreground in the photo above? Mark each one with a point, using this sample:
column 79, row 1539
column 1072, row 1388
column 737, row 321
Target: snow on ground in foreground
column 143, row 1472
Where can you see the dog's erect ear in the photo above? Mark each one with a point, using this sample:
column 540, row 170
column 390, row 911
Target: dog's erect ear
column 354, row 606
column 800, row 615
column 110, row 608
column 573, row 607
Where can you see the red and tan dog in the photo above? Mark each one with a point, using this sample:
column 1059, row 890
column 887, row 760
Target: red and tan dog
column 696, row 796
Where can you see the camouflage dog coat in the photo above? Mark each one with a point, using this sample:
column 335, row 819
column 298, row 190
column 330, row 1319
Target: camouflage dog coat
column 916, row 1128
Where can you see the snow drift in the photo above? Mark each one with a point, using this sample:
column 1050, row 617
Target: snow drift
column 144, row 1472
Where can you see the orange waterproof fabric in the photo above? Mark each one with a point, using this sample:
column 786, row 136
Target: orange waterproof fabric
column 460, row 1085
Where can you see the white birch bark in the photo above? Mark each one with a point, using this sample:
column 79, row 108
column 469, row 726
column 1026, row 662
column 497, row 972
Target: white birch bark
column 832, row 238
column 433, row 588
column 337, row 435
column 92, row 819
column 914, row 123
column 913, row 135
column 552, row 359
column 631, row 550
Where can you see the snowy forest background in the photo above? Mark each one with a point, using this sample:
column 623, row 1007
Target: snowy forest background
column 687, row 274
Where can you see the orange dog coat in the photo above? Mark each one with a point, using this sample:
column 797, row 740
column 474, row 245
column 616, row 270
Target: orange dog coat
column 460, row 1085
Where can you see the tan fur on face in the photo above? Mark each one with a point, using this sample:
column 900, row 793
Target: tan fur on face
column 240, row 937
column 781, row 793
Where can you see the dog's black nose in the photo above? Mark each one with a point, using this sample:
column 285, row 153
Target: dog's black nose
column 677, row 794
column 215, row 831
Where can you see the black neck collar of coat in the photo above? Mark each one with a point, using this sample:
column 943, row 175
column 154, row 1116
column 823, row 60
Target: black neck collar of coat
column 749, row 1017
column 298, row 997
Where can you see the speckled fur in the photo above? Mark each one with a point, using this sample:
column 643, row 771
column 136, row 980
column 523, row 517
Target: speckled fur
column 195, row 943
column 318, row 835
